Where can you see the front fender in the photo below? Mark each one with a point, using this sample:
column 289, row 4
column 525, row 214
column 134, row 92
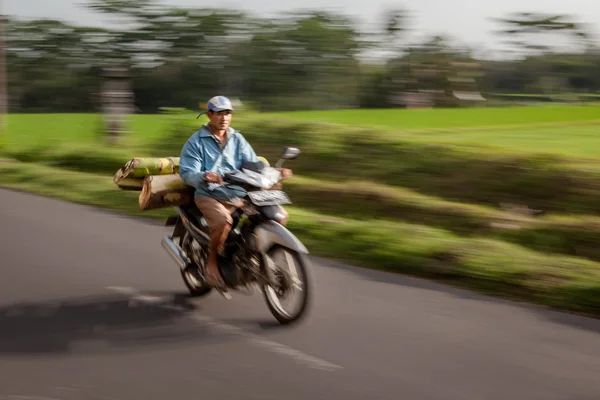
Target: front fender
column 270, row 233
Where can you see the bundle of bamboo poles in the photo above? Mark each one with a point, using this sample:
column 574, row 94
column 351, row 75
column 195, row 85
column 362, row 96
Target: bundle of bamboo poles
column 158, row 180
column 164, row 191
column 131, row 175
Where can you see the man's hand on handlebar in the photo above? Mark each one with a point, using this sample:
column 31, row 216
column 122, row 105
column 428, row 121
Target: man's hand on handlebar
column 213, row 177
column 285, row 173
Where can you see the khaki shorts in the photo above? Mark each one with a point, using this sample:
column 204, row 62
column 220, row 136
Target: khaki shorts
column 217, row 214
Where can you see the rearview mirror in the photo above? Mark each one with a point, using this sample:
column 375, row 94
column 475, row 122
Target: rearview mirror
column 289, row 153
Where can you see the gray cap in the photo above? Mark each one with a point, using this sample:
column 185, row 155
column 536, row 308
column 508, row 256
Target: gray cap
column 218, row 103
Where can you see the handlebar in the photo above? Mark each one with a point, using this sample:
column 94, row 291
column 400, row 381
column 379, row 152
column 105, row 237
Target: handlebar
column 265, row 179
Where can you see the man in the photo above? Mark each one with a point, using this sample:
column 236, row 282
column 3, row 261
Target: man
column 207, row 155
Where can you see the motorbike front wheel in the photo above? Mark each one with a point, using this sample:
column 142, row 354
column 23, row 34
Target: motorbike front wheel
column 292, row 277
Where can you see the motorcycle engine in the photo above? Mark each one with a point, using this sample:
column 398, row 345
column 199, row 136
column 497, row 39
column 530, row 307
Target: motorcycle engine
column 229, row 271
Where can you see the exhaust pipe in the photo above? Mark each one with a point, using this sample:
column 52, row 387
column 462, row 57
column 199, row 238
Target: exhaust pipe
column 174, row 251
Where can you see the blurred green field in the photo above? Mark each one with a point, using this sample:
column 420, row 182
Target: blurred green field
column 565, row 130
column 432, row 119
column 447, row 193
column 44, row 130
column 403, row 119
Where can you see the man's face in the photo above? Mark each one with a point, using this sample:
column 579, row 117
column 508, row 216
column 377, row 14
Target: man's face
column 220, row 120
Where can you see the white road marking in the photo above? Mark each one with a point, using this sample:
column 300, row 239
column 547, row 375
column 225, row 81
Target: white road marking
column 154, row 300
column 136, row 297
column 270, row 345
column 122, row 289
column 256, row 340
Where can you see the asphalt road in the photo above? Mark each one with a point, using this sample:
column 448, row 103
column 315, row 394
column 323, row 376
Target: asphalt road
column 91, row 307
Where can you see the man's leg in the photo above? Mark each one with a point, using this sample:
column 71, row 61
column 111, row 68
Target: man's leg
column 219, row 220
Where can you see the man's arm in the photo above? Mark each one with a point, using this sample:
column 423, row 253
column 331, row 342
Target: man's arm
column 248, row 155
column 190, row 165
column 246, row 151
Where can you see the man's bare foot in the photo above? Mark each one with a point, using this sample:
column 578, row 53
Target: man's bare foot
column 213, row 277
column 215, row 280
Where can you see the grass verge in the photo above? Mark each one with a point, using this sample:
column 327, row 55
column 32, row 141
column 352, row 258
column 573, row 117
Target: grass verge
column 574, row 235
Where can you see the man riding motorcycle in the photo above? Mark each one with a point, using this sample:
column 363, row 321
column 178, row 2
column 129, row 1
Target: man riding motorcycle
column 208, row 154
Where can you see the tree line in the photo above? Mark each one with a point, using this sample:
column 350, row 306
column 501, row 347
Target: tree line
column 178, row 57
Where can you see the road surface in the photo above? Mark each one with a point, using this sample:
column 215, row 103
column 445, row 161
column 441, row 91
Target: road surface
column 91, row 307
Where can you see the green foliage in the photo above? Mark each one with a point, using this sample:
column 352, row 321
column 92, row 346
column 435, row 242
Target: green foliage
column 179, row 57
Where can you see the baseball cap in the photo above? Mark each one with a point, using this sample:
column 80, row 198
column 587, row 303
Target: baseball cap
column 218, row 103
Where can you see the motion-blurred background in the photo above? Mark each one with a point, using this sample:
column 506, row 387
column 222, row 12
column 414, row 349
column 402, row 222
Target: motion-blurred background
column 456, row 140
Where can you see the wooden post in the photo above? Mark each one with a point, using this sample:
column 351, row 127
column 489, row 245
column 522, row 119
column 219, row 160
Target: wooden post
column 3, row 85
column 117, row 103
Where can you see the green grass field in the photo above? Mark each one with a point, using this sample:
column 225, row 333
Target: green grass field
column 437, row 193
column 422, row 119
column 566, row 130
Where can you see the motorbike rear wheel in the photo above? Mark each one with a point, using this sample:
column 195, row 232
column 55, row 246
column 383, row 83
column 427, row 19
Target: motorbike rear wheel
column 188, row 274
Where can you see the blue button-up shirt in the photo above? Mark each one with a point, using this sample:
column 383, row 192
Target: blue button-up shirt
column 203, row 153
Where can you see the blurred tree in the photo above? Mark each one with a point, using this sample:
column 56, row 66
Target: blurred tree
column 179, row 57
column 526, row 28
column 528, row 31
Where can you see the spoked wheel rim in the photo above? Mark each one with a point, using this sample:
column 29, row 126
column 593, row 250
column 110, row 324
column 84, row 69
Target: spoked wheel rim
column 287, row 270
column 194, row 283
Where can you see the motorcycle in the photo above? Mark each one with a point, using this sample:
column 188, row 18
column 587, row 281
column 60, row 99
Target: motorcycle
column 256, row 246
